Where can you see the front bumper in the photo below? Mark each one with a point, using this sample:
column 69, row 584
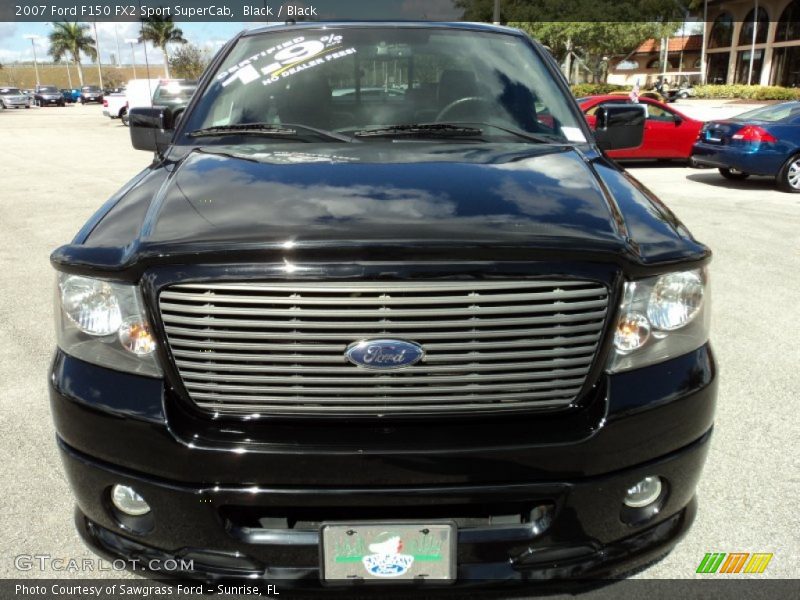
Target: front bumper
column 209, row 503
column 189, row 531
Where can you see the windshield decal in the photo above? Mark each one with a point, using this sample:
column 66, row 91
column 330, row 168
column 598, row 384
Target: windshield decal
column 573, row 134
column 286, row 59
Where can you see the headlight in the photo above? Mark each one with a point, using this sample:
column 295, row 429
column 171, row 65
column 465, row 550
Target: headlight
column 105, row 323
column 91, row 305
column 675, row 300
column 661, row 318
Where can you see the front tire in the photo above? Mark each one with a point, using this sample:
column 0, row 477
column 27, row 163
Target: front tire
column 733, row 174
column 789, row 176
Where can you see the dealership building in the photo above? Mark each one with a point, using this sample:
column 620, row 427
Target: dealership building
column 753, row 41
column 745, row 41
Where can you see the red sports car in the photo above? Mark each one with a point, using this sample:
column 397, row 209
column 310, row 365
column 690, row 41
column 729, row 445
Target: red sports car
column 668, row 134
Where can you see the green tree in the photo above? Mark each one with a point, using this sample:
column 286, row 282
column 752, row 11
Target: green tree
column 539, row 11
column 188, row 62
column 595, row 41
column 161, row 31
column 70, row 39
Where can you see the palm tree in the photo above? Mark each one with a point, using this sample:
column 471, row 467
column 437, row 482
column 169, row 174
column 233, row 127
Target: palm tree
column 72, row 38
column 161, row 31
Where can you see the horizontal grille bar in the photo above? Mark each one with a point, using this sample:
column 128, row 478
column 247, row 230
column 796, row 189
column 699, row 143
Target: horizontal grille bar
column 260, row 348
column 468, row 332
column 248, row 405
column 339, row 359
column 290, row 322
column 345, row 301
column 474, row 312
column 426, row 376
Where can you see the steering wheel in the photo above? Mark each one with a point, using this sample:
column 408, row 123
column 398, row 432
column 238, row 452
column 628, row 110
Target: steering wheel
column 460, row 103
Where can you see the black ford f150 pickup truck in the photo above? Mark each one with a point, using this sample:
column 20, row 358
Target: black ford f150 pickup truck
column 381, row 310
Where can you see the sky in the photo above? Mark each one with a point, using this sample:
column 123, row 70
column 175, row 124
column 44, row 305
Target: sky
column 15, row 47
column 211, row 35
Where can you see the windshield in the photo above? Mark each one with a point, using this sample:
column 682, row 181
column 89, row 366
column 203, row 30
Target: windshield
column 174, row 91
column 350, row 79
column 9, row 91
column 776, row 112
column 48, row 88
column 90, row 88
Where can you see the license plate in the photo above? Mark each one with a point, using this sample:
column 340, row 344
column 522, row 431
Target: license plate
column 388, row 551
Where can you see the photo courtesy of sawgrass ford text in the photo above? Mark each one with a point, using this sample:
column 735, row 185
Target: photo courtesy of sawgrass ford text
column 399, row 299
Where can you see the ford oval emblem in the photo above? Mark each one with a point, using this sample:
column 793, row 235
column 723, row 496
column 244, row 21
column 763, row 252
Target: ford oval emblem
column 384, row 354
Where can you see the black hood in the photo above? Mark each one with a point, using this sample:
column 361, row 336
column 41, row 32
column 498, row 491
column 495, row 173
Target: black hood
column 219, row 203
column 388, row 194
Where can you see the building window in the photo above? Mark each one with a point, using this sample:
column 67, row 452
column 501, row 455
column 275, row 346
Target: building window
column 721, row 34
column 743, row 66
column 789, row 24
column 627, row 65
column 746, row 36
column 786, row 66
column 718, row 68
column 657, row 64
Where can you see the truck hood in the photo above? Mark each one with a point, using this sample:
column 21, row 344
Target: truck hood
column 383, row 194
column 410, row 195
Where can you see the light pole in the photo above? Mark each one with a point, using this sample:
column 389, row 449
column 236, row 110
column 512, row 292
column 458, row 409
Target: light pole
column 32, row 37
column 119, row 55
column 132, row 41
column 99, row 63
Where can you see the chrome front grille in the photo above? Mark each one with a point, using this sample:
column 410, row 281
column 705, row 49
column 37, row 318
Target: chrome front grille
column 248, row 348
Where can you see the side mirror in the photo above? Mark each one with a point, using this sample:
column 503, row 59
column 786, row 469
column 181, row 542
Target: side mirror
column 678, row 121
column 151, row 128
column 619, row 126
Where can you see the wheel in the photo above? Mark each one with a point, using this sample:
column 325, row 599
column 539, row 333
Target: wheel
column 124, row 117
column 789, row 175
column 684, row 95
column 733, row 174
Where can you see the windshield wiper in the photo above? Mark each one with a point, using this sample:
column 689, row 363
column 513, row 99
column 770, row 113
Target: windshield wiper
column 244, row 129
column 267, row 130
column 540, row 138
column 422, row 130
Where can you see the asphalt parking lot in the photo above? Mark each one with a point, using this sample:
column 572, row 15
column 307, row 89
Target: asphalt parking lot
column 60, row 164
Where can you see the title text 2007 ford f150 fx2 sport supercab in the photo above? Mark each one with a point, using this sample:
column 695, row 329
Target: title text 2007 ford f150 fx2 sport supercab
column 381, row 311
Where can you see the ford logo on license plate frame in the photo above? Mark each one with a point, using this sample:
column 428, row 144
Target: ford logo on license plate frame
column 384, row 354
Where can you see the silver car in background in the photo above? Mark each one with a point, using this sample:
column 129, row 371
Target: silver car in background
column 11, row 97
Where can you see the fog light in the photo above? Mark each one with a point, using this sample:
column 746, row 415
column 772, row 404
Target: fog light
column 128, row 501
column 644, row 492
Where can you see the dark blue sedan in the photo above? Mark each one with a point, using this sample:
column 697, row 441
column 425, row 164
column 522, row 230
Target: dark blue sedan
column 765, row 141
